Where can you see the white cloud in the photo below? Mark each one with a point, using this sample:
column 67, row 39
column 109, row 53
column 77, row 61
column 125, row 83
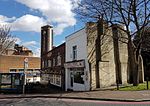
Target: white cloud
column 6, row 20
column 30, row 43
column 34, row 46
column 25, row 23
column 17, row 40
column 59, row 29
column 55, row 11
column 37, row 52
column 28, row 23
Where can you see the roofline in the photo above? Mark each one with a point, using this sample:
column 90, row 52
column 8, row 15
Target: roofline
column 56, row 47
column 75, row 32
column 20, row 56
column 46, row 26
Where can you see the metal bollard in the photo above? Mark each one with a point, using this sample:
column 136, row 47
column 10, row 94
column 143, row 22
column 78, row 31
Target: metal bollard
column 147, row 82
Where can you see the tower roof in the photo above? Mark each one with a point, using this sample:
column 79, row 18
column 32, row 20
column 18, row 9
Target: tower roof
column 46, row 26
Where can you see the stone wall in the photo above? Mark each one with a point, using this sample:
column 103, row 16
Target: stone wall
column 91, row 37
column 107, row 70
column 123, row 52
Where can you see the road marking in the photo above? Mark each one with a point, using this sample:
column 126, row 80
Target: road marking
column 102, row 102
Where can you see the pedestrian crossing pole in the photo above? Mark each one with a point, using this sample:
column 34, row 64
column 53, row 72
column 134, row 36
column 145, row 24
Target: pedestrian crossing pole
column 24, row 74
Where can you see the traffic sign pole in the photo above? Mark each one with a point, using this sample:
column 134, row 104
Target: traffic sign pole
column 24, row 78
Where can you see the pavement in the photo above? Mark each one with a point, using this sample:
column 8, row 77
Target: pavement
column 105, row 95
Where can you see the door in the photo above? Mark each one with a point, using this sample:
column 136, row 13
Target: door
column 71, row 79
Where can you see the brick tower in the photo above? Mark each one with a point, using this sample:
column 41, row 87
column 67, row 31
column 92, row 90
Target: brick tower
column 46, row 39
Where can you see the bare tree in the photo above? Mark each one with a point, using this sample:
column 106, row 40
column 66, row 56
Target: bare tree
column 6, row 39
column 134, row 15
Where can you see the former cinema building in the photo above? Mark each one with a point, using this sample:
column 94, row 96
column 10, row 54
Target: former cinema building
column 52, row 59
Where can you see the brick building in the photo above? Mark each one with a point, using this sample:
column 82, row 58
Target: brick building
column 52, row 59
column 53, row 66
column 15, row 63
column 12, row 61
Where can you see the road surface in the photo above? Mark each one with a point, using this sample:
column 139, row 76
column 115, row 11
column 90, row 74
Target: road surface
column 65, row 102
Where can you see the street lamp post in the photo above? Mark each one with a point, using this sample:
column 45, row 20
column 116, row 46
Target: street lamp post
column 24, row 78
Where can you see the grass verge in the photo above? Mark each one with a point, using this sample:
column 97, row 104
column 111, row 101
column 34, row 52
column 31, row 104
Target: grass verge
column 141, row 86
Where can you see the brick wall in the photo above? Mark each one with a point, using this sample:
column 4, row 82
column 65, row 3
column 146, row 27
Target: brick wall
column 17, row 62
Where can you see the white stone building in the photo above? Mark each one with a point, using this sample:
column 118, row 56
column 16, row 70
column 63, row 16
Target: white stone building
column 77, row 67
column 91, row 63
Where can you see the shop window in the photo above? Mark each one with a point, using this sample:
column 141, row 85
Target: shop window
column 16, row 79
column 38, row 74
column 29, row 74
column 21, row 70
column 74, row 50
column 58, row 60
column 53, row 61
column 42, row 64
column 13, row 70
column 45, row 63
column 30, row 70
column 37, row 70
column 49, row 63
column 6, row 79
column 78, row 77
column 51, row 79
column 58, row 80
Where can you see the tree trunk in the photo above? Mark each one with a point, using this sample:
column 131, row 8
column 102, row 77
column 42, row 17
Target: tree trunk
column 117, row 56
column 141, row 69
column 132, row 64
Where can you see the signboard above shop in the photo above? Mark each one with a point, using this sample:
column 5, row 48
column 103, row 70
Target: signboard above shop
column 75, row 64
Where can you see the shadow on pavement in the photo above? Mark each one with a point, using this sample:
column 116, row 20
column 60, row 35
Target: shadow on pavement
column 43, row 89
column 35, row 88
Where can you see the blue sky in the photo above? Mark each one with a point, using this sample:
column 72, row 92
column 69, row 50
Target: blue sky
column 27, row 16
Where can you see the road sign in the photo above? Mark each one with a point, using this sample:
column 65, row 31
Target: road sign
column 26, row 60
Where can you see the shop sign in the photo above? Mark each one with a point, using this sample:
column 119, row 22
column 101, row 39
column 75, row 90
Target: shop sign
column 77, row 64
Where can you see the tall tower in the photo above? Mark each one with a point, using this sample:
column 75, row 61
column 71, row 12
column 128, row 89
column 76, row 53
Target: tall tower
column 46, row 39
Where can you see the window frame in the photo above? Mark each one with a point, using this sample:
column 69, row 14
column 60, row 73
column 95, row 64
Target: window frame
column 74, row 52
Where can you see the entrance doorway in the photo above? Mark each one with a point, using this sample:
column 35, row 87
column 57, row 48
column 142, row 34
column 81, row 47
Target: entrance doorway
column 71, row 79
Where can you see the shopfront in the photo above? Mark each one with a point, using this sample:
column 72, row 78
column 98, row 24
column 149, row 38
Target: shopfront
column 76, row 73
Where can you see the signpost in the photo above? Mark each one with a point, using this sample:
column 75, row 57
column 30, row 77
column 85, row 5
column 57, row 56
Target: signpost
column 25, row 67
